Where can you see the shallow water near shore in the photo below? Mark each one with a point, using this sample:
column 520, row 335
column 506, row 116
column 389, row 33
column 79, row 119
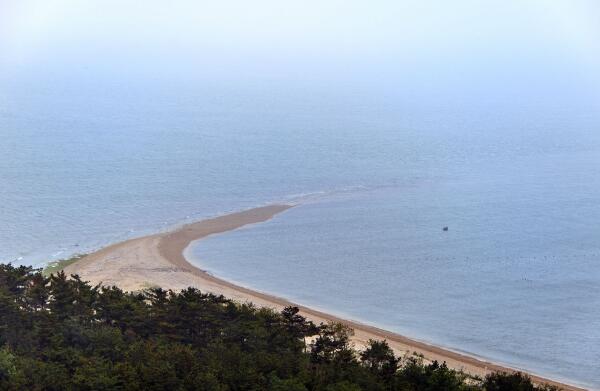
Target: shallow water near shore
column 514, row 278
column 381, row 258
column 500, row 283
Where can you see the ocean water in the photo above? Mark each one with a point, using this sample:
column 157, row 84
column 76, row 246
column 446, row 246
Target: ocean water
column 376, row 173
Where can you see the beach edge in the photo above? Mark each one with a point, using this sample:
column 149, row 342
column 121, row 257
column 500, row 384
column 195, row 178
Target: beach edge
column 160, row 260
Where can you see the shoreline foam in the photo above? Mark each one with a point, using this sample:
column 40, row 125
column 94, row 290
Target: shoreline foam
column 159, row 260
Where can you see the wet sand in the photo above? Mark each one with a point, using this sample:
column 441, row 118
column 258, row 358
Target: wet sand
column 159, row 260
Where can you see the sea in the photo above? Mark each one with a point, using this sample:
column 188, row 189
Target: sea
column 376, row 172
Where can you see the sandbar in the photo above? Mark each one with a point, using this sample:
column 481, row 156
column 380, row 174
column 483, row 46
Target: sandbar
column 159, row 261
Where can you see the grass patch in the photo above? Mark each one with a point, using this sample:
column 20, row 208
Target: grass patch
column 56, row 266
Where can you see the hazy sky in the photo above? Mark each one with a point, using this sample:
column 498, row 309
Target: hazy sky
column 441, row 41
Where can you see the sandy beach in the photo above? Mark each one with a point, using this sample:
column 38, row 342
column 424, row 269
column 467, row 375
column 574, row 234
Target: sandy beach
column 159, row 260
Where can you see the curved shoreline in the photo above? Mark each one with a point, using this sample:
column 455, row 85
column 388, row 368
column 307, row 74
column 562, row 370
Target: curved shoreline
column 159, row 260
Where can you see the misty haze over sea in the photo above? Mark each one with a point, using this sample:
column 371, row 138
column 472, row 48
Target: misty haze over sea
column 383, row 128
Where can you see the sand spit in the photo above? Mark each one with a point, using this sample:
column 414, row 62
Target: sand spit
column 159, row 260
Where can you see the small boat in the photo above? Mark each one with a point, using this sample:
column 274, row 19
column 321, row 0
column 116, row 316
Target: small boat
column 445, row 228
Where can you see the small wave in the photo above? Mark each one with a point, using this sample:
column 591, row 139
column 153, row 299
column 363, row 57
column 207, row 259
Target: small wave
column 318, row 195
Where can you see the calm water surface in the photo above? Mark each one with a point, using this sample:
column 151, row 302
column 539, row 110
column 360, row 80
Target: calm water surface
column 515, row 279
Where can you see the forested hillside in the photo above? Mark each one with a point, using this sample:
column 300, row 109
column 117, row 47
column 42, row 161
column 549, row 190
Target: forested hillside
column 60, row 333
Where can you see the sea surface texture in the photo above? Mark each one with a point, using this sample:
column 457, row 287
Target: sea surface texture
column 377, row 174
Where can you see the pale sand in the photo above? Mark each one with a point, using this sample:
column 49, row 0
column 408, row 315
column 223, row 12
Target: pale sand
column 158, row 260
